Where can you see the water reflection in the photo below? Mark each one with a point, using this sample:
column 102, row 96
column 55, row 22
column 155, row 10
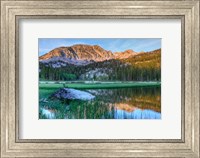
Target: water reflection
column 136, row 114
column 120, row 103
column 123, row 103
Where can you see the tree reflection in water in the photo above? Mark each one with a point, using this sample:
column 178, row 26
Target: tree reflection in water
column 123, row 103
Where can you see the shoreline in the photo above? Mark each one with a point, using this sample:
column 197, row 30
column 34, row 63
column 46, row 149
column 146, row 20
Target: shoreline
column 101, row 85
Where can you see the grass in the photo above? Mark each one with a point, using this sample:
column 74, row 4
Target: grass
column 45, row 93
column 98, row 85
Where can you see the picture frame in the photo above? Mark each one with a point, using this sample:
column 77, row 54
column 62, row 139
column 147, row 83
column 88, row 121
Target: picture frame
column 13, row 11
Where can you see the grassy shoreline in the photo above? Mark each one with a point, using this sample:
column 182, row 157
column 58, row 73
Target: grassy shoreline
column 99, row 85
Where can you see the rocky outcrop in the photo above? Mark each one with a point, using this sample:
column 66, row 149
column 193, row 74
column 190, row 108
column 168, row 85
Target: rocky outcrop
column 72, row 94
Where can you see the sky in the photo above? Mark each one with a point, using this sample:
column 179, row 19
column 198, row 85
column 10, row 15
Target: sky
column 111, row 44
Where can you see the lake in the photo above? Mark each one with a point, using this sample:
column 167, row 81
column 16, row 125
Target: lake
column 110, row 103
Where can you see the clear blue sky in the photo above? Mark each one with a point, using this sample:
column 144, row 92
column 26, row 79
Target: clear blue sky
column 112, row 44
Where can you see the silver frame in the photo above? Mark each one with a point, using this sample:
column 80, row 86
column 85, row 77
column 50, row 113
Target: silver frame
column 13, row 11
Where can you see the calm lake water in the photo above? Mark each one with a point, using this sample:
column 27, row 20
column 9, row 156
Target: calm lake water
column 119, row 103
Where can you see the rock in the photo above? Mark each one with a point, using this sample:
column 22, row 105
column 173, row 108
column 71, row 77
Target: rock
column 69, row 93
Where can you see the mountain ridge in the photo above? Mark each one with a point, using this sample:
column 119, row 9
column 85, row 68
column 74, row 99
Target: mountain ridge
column 87, row 52
column 79, row 52
column 81, row 55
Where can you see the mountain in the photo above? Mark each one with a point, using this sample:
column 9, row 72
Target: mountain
column 150, row 59
column 85, row 62
column 96, row 57
column 126, row 54
column 79, row 52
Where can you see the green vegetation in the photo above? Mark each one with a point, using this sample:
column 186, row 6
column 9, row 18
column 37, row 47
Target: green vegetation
column 88, row 110
column 69, row 77
column 45, row 92
column 99, row 85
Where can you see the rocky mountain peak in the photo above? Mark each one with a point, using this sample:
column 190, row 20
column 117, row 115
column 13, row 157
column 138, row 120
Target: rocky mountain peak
column 126, row 54
column 79, row 52
column 82, row 54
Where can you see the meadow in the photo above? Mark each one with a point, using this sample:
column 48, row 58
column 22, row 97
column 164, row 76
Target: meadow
column 95, row 85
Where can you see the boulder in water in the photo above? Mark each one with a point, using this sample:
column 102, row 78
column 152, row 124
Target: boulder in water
column 71, row 94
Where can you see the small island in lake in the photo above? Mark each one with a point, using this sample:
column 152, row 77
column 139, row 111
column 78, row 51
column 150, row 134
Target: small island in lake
column 104, row 78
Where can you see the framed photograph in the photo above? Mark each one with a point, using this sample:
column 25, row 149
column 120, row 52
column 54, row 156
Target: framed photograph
column 83, row 80
column 100, row 78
